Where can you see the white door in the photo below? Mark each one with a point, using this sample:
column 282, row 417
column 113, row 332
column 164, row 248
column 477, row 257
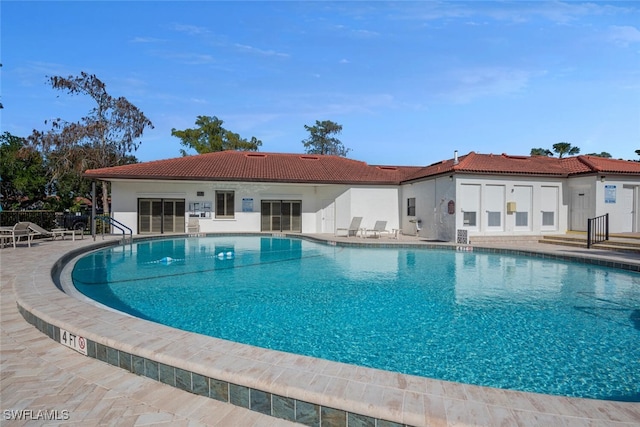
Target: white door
column 328, row 216
column 622, row 220
column 580, row 208
column 494, row 204
column 549, row 211
column 522, row 196
column 469, row 202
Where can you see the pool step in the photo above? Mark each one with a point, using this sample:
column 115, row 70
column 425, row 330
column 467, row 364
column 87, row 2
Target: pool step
column 619, row 243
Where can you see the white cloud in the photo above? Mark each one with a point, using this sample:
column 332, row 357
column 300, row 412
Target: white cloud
column 624, row 35
column 251, row 49
column 145, row 40
column 354, row 32
column 186, row 57
column 192, row 30
column 555, row 11
column 470, row 84
column 365, row 33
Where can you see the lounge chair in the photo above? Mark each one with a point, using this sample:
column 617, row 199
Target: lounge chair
column 354, row 227
column 17, row 232
column 377, row 230
column 55, row 232
column 41, row 231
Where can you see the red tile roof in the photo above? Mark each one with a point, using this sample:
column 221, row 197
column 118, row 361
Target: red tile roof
column 319, row 169
column 504, row 164
column 261, row 167
column 604, row 165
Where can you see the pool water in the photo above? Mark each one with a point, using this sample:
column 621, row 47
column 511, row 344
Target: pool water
column 511, row 322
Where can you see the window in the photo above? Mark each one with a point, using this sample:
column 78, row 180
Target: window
column 548, row 219
column 493, row 219
column 522, row 219
column 225, row 204
column 469, row 219
column 411, row 206
column 200, row 209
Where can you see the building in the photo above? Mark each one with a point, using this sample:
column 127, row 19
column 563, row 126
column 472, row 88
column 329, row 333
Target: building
column 452, row 200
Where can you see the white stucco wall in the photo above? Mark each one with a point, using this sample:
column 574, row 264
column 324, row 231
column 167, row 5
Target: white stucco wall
column 432, row 199
column 595, row 195
column 484, row 194
column 375, row 204
column 618, row 197
column 372, row 203
column 529, row 196
column 324, row 207
column 328, row 207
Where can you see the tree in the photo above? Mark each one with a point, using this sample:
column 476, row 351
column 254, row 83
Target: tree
column 70, row 185
column 602, row 154
column 563, row 148
column 210, row 136
column 320, row 140
column 541, row 152
column 103, row 138
column 24, row 175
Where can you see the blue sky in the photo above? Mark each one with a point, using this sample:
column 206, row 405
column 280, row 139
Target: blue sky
column 410, row 82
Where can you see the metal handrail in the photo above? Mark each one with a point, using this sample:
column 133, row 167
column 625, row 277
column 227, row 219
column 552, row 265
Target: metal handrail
column 597, row 230
column 117, row 224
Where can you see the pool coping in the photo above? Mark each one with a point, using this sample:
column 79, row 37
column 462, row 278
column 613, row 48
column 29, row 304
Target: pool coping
column 297, row 388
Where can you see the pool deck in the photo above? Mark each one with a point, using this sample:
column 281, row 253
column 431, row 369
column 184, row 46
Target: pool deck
column 39, row 374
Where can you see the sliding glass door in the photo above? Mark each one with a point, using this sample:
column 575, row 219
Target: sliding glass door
column 161, row 216
column 281, row 215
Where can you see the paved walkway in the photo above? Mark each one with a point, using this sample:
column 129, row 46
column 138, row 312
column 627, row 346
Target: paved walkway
column 41, row 379
column 39, row 375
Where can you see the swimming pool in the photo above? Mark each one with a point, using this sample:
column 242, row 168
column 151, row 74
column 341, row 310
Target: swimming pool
column 502, row 321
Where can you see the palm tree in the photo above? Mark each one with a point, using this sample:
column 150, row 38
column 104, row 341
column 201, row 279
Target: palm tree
column 541, row 152
column 563, row 148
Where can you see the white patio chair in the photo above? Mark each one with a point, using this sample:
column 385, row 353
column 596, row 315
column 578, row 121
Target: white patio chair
column 354, row 227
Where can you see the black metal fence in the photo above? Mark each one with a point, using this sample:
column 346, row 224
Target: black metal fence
column 46, row 219
column 597, row 230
